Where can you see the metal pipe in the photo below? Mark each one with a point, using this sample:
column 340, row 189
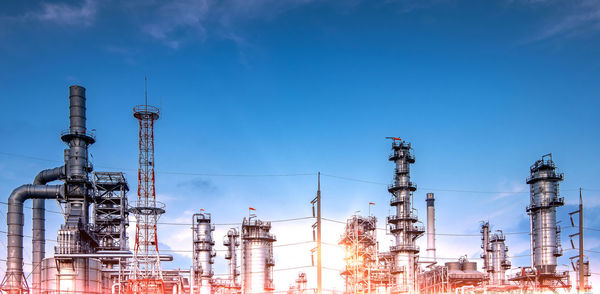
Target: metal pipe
column 14, row 257
column 39, row 219
column 77, row 139
column 430, row 226
column 163, row 257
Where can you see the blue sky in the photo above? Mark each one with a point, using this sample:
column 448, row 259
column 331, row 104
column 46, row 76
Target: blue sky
column 481, row 89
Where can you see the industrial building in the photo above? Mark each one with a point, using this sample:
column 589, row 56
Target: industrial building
column 92, row 253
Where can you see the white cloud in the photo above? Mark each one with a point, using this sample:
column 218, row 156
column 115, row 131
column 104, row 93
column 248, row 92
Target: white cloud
column 581, row 18
column 61, row 13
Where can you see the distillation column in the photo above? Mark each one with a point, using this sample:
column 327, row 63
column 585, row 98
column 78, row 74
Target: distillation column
column 486, row 255
column 499, row 261
column 257, row 256
column 544, row 199
column 203, row 255
column 430, row 226
column 403, row 225
column 231, row 241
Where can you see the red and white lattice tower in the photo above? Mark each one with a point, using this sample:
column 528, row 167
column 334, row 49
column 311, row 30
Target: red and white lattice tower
column 146, row 275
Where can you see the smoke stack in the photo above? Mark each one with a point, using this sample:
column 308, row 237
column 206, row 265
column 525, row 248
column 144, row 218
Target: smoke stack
column 430, row 226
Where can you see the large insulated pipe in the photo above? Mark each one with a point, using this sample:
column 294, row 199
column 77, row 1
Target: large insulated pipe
column 430, row 226
column 77, row 167
column 77, row 138
column 14, row 257
column 39, row 219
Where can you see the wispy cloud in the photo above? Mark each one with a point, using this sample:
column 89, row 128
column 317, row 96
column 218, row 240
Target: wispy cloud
column 513, row 188
column 582, row 18
column 174, row 22
column 201, row 184
column 83, row 14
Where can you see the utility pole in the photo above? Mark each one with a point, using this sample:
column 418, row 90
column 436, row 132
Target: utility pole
column 580, row 263
column 581, row 267
column 317, row 201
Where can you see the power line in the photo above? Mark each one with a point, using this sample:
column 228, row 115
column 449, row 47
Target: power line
column 310, row 217
column 441, row 190
column 286, row 175
column 437, row 234
column 190, row 224
column 173, row 172
column 226, row 250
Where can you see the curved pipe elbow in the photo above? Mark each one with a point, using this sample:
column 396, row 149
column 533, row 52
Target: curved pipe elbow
column 29, row 191
column 50, row 175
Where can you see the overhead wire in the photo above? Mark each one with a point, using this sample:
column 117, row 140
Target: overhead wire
column 286, row 175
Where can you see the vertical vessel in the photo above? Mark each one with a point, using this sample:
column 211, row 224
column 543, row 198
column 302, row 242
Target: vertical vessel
column 203, row 254
column 499, row 261
column 544, row 199
column 430, row 226
column 231, row 241
column 404, row 223
column 257, row 256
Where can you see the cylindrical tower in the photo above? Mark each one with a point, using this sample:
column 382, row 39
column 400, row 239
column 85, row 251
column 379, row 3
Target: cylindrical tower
column 499, row 261
column 257, row 256
column 231, row 241
column 146, row 274
column 203, row 254
column 545, row 235
column 430, row 226
column 486, row 255
column 403, row 225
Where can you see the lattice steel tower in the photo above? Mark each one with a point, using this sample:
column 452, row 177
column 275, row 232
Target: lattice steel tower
column 404, row 224
column 146, row 272
column 360, row 243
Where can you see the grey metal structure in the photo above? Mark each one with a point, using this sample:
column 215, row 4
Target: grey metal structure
column 110, row 217
column 430, row 226
column 486, row 255
column 74, row 194
column 453, row 277
column 299, row 286
column 231, row 241
column 75, row 235
column 110, row 213
column 257, row 256
column 587, row 287
column 499, row 261
column 362, row 271
column 203, row 252
column 544, row 199
column 404, row 224
column 39, row 219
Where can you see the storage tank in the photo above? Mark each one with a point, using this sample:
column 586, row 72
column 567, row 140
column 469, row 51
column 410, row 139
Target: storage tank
column 68, row 275
column 453, row 266
column 469, row 266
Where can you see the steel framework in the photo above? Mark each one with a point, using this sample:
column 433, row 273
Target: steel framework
column 147, row 274
column 111, row 217
column 360, row 244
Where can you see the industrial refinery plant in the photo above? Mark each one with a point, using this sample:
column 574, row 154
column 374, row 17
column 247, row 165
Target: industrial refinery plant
column 93, row 255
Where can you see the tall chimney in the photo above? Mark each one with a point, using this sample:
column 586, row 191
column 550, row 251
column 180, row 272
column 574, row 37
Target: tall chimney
column 430, row 226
